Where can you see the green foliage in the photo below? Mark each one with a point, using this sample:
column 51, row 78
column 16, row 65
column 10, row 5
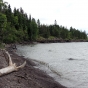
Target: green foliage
column 3, row 23
column 44, row 31
column 3, row 20
column 16, row 26
column 9, row 39
column 33, row 30
column 2, row 46
column 10, row 34
column 3, row 6
column 40, row 38
column 51, row 37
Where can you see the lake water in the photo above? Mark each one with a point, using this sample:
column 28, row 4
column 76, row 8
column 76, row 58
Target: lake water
column 66, row 62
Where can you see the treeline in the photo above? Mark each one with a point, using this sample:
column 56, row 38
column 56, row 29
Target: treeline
column 17, row 26
column 61, row 32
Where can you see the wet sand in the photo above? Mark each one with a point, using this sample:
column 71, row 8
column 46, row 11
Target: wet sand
column 27, row 77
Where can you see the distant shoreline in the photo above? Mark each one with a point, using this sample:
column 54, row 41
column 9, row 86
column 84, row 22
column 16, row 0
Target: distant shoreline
column 60, row 40
column 52, row 41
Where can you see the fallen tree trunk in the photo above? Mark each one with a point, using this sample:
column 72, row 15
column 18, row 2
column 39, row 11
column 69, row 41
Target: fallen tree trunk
column 12, row 66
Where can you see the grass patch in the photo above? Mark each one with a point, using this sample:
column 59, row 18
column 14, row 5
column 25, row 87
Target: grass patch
column 2, row 46
column 51, row 37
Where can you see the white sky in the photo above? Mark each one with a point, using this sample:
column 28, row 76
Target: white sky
column 66, row 12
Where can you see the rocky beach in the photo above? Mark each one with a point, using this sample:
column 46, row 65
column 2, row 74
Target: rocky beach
column 27, row 77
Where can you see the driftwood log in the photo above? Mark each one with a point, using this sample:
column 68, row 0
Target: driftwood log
column 12, row 66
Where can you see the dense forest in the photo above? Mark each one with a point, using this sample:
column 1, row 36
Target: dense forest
column 17, row 26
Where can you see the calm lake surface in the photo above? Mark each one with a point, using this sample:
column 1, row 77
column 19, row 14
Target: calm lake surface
column 66, row 62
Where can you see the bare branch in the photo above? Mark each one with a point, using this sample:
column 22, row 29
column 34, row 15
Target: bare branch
column 21, row 66
column 10, row 60
column 12, row 66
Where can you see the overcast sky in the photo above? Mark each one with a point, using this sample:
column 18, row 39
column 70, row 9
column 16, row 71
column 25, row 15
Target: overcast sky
column 66, row 12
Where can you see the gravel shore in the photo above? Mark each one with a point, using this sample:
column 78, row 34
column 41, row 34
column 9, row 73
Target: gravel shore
column 27, row 77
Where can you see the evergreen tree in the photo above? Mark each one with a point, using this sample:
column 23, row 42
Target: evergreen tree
column 3, row 23
column 33, row 30
column 3, row 6
column 16, row 26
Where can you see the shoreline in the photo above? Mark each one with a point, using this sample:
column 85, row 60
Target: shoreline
column 27, row 77
column 61, row 40
column 52, row 41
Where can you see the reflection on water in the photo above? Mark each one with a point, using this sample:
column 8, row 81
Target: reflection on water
column 69, row 61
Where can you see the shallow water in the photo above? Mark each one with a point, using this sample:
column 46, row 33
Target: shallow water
column 69, row 61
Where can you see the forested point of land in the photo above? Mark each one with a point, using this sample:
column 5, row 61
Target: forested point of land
column 17, row 26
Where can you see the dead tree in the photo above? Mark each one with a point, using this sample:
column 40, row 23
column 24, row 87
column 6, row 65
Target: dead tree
column 12, row 66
